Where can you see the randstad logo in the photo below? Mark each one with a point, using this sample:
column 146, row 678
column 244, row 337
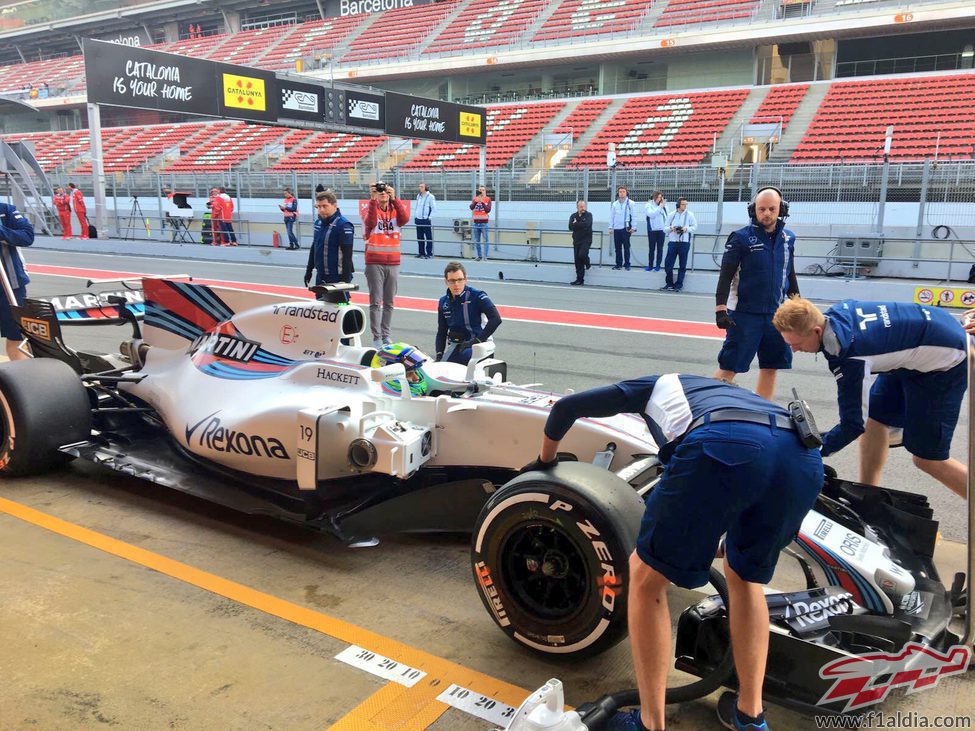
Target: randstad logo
column 244, row 92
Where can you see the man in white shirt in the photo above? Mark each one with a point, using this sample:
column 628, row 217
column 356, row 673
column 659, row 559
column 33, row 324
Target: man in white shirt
column 656, row 212
column 621, row 223
column 423, row 208
column 681, row 225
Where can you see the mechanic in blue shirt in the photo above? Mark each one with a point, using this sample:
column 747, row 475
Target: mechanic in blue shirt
column 897, row 365
column 734, row 465
column 459, row 317
column 15, row 231
column 757, row 274
column 331, row 249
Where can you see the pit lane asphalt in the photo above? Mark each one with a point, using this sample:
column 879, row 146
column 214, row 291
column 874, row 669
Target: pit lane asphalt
column 91, row 639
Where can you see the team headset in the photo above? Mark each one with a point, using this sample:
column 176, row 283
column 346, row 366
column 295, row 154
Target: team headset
column 783, row 205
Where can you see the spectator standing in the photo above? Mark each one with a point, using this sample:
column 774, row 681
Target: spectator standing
column 62, row 203
column 733, row 466
column 621, row 224
column 580, row 224
column 481, row 206
column 384, row 219
column 681, row 225
column 331, row 248
column 465, row 316
column 216, row 217
column 425, row 205
column 15, row 231
column 656, row 213
column 80, row 211
column 907, row 362
column 757, row 274
column 290, row 210
column 226, row 222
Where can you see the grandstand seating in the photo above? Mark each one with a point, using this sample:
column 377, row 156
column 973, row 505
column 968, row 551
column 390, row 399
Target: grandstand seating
column 58, row 73
column 663, row 129
column 229, row 146
column 326, row 151
column 396, row 32
column 582, row 116
column 780, row 104
column 509, row 129
column 129, row 148
column 575, row 18
column 487, row 23
column 316, row 37
column 926, row 112
column 689, row 12
column 54, row 150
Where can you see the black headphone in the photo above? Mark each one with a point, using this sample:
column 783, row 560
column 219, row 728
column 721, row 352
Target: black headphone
column 783, row 205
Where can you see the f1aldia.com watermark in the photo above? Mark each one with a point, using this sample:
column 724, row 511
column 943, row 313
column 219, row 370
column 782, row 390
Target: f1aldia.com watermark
column 892, row 720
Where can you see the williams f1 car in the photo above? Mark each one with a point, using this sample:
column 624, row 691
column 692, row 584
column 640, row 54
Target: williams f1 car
column 273, row 406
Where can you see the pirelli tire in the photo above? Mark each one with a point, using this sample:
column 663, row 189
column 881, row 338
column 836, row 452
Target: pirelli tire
column 43, row 405
column 550, row 555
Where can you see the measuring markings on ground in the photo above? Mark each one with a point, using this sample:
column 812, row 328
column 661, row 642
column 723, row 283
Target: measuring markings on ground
column 380, row 665
column 467, row 700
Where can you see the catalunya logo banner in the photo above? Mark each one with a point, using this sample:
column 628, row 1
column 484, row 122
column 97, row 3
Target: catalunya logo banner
column 244, row 92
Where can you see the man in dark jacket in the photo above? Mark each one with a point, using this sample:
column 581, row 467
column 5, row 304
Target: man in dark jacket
column 15, row 231
column 757, row 274
column 580, row 224
column 459, row 317
column 331, row 249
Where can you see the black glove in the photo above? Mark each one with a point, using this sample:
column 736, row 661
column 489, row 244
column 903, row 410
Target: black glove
column 439, row 357
column 723, row 320
column 538, row 464
column 307, row 279
column 319, row 188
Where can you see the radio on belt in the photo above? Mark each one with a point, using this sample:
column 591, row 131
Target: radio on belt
column 805, row 423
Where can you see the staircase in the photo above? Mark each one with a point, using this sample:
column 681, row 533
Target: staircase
column 539, row 162
column 29, row 185
column 645, row 26
column 536, row 25
column 428, row 38
column 583, row 140
column 800, row 122
column 729, row 141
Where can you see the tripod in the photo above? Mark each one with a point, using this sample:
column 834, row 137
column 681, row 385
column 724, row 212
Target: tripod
column 135, row 215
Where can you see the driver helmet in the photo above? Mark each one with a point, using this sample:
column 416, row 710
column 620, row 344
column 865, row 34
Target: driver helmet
column 411, row 358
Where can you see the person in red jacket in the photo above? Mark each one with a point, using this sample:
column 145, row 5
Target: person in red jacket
column 481, row 207
column 226, row 223
column 216, row 217
column 62, row 202
column 383, row 221
column 78, row 203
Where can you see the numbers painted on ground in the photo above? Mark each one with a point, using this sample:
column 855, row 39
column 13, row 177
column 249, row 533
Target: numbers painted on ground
column 384, row 667
column 490, row 709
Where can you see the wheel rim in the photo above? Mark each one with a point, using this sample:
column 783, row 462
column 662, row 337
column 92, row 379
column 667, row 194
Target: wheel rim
column 545, row 571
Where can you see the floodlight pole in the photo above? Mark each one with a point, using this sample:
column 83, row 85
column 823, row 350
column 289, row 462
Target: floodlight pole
column 97, row 168
column 888, row 138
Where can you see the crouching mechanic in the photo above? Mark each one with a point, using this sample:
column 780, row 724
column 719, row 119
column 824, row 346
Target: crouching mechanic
column 757, row 273
column 899, row 365
column 464, row 316
column 331, row 249
column 15, row 231
column 733, row 464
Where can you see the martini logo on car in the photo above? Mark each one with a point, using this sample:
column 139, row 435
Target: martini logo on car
column 228, row 347
column 211, row 434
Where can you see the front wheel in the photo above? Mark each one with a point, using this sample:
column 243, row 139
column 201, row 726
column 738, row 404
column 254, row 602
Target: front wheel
column 550, row 555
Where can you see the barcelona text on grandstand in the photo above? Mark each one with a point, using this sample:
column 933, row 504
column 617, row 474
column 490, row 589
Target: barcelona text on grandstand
column 355, row 7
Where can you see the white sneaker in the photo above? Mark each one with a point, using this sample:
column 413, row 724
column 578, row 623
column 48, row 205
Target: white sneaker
column 377, row 344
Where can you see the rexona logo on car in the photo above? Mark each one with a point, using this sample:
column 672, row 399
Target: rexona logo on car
column 816, row 612
column 863, row 680
column 217, row 438
column 229, row 347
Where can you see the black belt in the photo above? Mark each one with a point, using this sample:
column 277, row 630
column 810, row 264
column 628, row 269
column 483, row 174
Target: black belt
column 782, row 421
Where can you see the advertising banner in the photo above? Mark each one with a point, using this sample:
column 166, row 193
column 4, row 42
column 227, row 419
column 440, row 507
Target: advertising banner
column 430, row 119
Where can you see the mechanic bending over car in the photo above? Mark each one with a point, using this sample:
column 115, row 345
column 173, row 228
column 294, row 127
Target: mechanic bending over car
column 464, row 316
column 15, row 231
column 733, row 463
column 908, row 361
column 331, row 248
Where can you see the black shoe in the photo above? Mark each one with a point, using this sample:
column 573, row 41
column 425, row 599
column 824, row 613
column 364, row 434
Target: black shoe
column 578, row 281
column 678, row 289
column 627, row 268
column 616, row 269
column 588, row 265
column 728, row 715
column 667, row 288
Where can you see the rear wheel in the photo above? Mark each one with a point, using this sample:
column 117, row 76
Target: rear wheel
column 550, row 555
column 43, row 405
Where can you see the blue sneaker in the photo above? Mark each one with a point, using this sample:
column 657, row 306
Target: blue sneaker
column 626, row 721
column 728, row 715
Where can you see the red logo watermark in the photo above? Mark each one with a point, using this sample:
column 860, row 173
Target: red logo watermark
column 863, row 680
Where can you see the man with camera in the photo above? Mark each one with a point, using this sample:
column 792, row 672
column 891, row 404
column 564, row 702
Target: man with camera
column 681, row 225
column 757, row 274
column 383, row 222
column 656, row 213
column 622, row 226
column 481, row 207
column 465, row 316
